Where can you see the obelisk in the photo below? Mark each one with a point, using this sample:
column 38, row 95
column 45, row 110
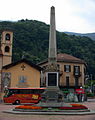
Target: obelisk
column 52, row 92
column 52, row 74
column 52, row 37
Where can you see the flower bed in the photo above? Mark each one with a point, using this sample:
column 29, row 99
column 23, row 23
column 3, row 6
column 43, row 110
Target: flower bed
column 73, row 107
column 28, row 107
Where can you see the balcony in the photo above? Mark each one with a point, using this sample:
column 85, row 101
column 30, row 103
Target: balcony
column 77, row 74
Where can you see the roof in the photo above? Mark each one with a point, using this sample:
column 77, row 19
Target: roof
column 6, row 29
column 63, row 57
column 20, row 61
column 68, row 58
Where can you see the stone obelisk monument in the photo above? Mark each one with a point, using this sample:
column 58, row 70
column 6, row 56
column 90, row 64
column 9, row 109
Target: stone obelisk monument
column 52, row 95
column 52, row 38
column 52, row 73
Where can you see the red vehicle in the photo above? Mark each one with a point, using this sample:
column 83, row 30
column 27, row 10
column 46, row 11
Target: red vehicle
column 23, row 95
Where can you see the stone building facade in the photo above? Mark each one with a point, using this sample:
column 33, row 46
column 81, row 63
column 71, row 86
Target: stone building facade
column 72, row 71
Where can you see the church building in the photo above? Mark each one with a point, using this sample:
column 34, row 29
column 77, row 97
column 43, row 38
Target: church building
column 20, row 74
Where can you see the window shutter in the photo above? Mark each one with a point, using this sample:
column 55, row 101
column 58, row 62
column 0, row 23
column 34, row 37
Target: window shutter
column 69, row 68
column 64, row 68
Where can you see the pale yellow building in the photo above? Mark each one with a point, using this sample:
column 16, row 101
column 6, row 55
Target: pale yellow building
column 21, row 74
column 72, row 71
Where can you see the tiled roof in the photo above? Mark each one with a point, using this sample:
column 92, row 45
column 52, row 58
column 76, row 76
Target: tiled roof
column 20, row 61
column 62, row 57
column 6, row 29
column 68, row 58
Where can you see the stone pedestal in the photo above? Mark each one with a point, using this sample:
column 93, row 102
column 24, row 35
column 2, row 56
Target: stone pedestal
column 52, row 94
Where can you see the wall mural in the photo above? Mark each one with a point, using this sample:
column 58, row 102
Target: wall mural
column 22, row 81
column 6, row 79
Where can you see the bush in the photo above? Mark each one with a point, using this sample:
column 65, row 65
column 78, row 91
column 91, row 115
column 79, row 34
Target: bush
column 90, row 94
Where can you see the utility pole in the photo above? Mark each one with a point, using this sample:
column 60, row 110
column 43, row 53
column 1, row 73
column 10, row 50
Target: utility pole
column 91, row 83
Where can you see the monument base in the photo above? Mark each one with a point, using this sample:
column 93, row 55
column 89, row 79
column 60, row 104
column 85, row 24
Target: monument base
column 52, row 95
column 52, row 104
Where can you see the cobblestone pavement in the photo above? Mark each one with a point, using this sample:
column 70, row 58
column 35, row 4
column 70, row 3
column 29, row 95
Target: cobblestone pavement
column 6, row 116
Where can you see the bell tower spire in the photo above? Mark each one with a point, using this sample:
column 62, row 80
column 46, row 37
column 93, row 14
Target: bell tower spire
column 6, row 46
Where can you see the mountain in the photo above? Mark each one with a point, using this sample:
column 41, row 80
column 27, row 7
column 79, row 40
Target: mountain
column 31, row 39
column 73, row 33
column 90, row 35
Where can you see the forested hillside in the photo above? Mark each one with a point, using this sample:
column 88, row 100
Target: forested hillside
column 90, row 35
column 31, row 40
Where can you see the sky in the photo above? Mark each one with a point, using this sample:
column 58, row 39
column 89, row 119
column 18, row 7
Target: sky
column 71, row 15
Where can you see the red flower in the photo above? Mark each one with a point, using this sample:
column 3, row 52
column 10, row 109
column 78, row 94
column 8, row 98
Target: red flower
column 27, row 107
column 74, row 107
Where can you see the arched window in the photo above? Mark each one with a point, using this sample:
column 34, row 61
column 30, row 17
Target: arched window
column 7, row 49
column 7, row 37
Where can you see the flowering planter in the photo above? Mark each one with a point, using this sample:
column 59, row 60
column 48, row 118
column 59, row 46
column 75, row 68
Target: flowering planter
column 28, row 107
column 73, row 107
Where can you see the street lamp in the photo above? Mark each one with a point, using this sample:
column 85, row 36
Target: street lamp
column 91, row 82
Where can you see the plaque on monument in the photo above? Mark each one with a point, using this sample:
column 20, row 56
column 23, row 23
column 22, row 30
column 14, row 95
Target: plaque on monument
column 52, row 79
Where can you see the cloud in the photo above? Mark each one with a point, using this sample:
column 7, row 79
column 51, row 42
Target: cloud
column 85, row 9
column 78, row 16
column 71, row 15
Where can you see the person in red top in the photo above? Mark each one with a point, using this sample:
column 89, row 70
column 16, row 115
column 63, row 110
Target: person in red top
column 80, row 94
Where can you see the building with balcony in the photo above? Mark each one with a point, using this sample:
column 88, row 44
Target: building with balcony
column 72, row 71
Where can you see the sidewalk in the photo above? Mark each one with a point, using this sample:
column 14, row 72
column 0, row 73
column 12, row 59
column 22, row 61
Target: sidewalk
column 91, row 100
column 4, row 116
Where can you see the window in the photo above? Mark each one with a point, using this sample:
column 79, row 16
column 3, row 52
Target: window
column 67, row 68
column 38, row 91
column 76, row 82
column 76, row 70
column 67, row 81
column 7, row 49
column 7, row 37
column 22, row 79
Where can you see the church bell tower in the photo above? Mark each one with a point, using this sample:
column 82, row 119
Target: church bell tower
column 6, row 46
column 6, row 40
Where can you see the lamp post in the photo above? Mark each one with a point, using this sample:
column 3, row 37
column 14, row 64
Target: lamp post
column 91, row 83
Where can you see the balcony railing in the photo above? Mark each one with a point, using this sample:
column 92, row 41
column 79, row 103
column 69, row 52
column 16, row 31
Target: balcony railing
column 77, row 74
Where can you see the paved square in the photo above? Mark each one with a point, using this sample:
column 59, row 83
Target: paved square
column 6, row 116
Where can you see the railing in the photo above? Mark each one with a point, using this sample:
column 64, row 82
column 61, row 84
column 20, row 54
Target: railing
column 78, row 74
